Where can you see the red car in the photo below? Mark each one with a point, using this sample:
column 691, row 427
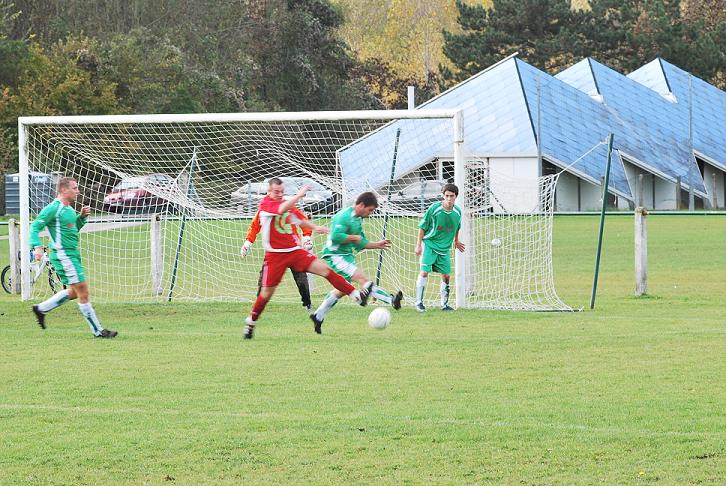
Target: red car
column 139, row 195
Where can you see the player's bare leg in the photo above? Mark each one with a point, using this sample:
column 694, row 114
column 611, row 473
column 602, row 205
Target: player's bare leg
column 263, row 298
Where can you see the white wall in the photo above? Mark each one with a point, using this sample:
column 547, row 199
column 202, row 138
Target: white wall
column 665, row 194
column 514, row 183
column 566, row 193
column 590, row 196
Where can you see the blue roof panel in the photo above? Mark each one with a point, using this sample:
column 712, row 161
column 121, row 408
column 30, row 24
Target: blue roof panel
column 648, row 130
column 709, row 106
column 572, row 124
column 496, row 121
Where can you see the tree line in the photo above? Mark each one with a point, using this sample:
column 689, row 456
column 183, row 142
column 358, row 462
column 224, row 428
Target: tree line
column 81, row 57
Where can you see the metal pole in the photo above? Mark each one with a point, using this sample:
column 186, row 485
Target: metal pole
column 25, row 283
column 14, row 246
column 602, row 222
column 539, row 129
column 691, row 160
column 461, row 259
column 181, row 228
column 388, row 199
column 411, row 97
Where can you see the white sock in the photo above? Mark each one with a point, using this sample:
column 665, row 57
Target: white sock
column 382, row 295
column 444, row 294
column 56, row 301
column 328, row 304
column 90, row 315
column 420, row 288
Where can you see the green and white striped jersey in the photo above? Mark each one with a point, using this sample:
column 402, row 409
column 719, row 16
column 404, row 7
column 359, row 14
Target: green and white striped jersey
column 63, row 224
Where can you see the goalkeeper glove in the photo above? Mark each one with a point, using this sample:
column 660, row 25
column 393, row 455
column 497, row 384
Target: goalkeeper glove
column 245, row 248
column 307, row 243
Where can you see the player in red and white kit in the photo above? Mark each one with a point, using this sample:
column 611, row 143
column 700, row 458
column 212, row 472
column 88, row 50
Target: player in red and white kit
column 283, row 250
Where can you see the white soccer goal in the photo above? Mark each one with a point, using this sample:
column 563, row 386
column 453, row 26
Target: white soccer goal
column 172, row 198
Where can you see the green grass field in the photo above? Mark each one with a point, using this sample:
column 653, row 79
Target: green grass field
column 632, row 392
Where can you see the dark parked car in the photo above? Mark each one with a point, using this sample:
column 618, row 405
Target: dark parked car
column 418, row 196
column 134, row 195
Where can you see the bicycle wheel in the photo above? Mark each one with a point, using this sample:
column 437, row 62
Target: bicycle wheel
column 6, row 280
column 54, row 280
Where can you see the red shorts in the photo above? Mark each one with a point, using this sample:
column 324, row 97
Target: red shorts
column 275, row 264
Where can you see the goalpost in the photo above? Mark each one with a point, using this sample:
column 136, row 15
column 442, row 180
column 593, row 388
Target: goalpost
column 172, row 197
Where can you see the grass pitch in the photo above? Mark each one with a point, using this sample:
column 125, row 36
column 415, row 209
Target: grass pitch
column 632, row 392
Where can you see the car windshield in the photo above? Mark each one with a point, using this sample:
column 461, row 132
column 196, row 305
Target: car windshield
column 428, row 189
column 293, row 184
column 253, row 188
column 128, row 184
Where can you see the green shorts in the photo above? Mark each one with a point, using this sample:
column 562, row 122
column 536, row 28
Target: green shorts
column 435, row 262
column 67, row 264
column 343, row 265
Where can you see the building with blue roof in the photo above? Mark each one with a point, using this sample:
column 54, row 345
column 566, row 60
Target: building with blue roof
column 657, row 146
column 525, row 122
column 704, row 105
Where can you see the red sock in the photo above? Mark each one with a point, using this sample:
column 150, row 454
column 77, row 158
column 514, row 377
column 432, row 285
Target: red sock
column 258, row 307
column 339, row 283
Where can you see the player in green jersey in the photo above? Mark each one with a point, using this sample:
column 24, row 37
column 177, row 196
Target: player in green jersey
column 346, row 238
column 438, row 229
column 63, row 225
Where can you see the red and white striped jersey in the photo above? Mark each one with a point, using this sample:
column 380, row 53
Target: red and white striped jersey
column 278, row 234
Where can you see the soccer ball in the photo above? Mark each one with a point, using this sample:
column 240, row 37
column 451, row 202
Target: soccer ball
column 379, row 318
column 496, row 242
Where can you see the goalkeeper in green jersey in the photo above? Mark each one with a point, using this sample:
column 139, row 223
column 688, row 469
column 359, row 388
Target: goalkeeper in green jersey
column 438, row 229
column 345, row 239
column 63, row 225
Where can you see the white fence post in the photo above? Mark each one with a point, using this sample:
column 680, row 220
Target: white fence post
column 14, row 240
column 157, row 256
column 641, row 252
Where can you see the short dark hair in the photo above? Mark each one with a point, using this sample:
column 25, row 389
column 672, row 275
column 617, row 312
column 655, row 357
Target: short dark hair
column 450, row 188
column 368, row 199
column 64, row 182
column 274, row 181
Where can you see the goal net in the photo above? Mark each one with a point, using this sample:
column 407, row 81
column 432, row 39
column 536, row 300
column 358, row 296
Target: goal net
column 172, row 197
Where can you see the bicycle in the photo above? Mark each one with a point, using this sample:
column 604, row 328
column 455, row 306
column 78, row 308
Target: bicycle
column 36, row 268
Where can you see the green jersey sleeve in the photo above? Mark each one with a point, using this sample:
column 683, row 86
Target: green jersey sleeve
column 363, row 241
column 426, row 220
column 339, row 229
column 45, row 218
column 80, row 222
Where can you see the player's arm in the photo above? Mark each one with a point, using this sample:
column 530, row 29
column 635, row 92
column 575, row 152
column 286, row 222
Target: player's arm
column 254, row 229
column 252, row 232
column 290, row 203
column 314, row 228
column 458, row 244
column 378, row 245
column 82, row 218
column 307, row 239
column 419, row 242
column 364, row 243
column 339, row 231
column 46, row 217
column 423, row 226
